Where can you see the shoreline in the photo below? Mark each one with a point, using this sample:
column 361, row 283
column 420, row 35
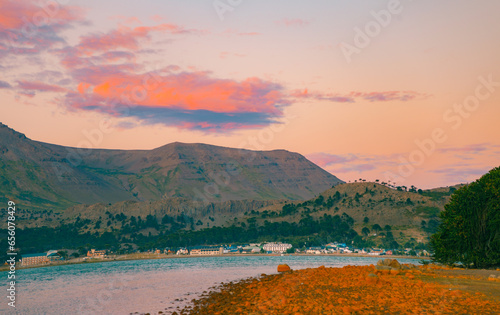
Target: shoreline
column 127, row 257
column 356, row 290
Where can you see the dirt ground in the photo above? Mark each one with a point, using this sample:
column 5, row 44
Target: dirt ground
column 469, row 280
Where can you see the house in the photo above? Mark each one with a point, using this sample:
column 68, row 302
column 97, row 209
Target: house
column 360, row 251
column 376, row 252
column 34, row 259
column 207, row 250
column 182, row 251
column 276, row 247
column 168, row 251
column 251, row 249
column 96, row 253
column 314, row 250
column 53, row 255
column 40, row 258
column 231, row 249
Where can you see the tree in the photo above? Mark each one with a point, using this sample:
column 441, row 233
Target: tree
column 365, row 231
column 469, row 232
column 366, row 220
column 376, row 227
column 387, row 228
column 319, row 201
column 63, row 253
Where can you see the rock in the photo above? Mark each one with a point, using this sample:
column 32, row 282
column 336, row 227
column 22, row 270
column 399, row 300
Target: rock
column 389, row 262
column 284, row 268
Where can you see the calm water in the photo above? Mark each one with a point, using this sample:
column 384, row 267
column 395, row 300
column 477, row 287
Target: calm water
column 142, row 286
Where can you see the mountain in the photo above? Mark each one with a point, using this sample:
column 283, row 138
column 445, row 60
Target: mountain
column 43, row 175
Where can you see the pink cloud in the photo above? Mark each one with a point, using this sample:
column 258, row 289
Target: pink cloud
column 472, row 148
column 126, row 19
column 39, row 27
column 33, row 12
column 403, row 96
column 233, row 32
column 39, row 87
column 305, row 94
column 4, row 85
column 346, row 163
column 354, row 168
column 157, row 18
column 389, row 96
column 293, row 22
column 226, row 54
column 325, row 159
column 124, row 38
column 249, row 34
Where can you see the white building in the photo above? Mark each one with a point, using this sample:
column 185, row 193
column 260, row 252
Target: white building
column 276, row 247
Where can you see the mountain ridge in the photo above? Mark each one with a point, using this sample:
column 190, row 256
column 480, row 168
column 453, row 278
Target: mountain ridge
column 49, row 175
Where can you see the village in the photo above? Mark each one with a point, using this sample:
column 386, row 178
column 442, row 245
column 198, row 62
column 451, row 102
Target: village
column 56, row 257
column 285, row 248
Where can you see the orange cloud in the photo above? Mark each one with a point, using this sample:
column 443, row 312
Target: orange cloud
column 185, row 90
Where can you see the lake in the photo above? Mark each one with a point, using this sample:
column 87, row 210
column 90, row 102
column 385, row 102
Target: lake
column 127, row 287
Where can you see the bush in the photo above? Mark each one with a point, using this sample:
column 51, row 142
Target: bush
column 470, row 225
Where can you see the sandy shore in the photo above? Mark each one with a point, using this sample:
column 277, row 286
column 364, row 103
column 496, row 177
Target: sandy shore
column 410, row 289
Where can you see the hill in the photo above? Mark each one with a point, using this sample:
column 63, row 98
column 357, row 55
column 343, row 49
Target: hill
column 342, row 213
column 411, row 215
column 46, row 176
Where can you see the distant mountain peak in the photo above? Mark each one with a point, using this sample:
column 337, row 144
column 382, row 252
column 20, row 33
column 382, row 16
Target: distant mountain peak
column 45, row 175
column 4, row 129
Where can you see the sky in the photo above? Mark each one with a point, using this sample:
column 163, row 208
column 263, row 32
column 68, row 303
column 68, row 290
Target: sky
column 401, row 91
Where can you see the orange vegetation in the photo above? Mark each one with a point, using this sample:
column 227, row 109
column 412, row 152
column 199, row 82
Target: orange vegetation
column 347, row 290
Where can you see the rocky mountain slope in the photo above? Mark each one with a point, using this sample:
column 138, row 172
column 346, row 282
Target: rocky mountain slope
column 46, row 176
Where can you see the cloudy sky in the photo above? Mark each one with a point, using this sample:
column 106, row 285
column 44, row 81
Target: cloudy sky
column 406, row 91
